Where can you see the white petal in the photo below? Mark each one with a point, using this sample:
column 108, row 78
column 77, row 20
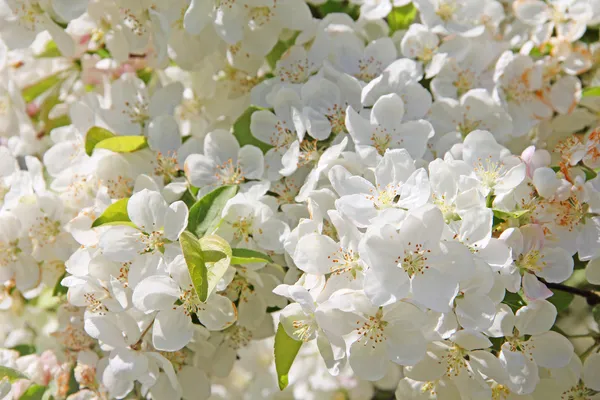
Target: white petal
column 551, row 350
column 157, row 292
column 176, row 219
column 218, row 313
column 147, row 210
column 536, row 317
column 172, row 329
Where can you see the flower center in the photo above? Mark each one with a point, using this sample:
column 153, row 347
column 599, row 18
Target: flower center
column 446, row 10
column 229, row 174
column 455, row 360
column 242, row 228
column 531, row 261
column 153, row 241
column 304, row 329
column 120, row 187
column 464, row 81
column 29, row 14
column 190, row 301
column 371, row 330
column 488, row 172
column 345, row 261
column 368, row 69
column 414, row 259
column 381, row 140
column 9, row 252
column 337, row 118
column 44, row 232
column 259, row 16
column 237, row 336
column 166, row 166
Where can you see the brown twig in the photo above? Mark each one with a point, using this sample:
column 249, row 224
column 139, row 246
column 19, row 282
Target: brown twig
column 592, row 297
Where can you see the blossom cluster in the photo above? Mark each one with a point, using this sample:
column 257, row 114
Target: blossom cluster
column 251, row 199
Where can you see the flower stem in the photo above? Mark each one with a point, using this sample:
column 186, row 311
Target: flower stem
column 592, row 297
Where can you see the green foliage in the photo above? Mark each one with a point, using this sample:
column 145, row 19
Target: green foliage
column 192, row 252
column 205, row 215
column 505, row 215
column 247, row 256
column 241, row 130
column 94, row 136
column 217, row 258
column 24, row 349
column 59, row 289
column 591, row 91
column 11, row 374
column 514, row 301
column 50, row 51
column 115, row 214
column 123, row 144
column 401, row 17
column 34, row 392
column 286, row 350
column 560, row 299
column 35, row 90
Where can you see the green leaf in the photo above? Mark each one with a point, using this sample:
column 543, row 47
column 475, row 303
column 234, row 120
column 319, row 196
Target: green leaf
column 514, row 301
column 33, row 392
column 123, row 144
column 247, row 256
column 591, row 91
column 241, row 130
column 145, row 74
column 58, row 288
column 401, row 17
column 276, row 53
column 217, row 258
column 11, row 374
column 94, row 136
column 596, row 313
column 192, row 252
column 51, row 51
column 589, row 173
column 205, row 215
column 115, row 214
column 560, row 299
column 24, row 349
column 286, row 350
column 33, row 91
column 506, row 215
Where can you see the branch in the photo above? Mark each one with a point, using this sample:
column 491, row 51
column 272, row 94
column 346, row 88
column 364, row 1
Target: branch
column 592, row 297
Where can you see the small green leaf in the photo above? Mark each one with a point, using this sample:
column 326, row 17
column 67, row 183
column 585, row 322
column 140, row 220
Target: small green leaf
column 11, row 374
column 514, row 301
column 401, row 17
column 24, row 349
column 33, row 392
column 241, row 130
column 33, row 91
column 596, row 313
column 192, row 252
column 561, row 300
column 145, row 74
column 591, row 91
column 589, row 173
column 506, row 215
column 205, row 215
column 59, row 289
column 51, row 51
column 115, row 214
column 94, row 136
column 247, row 256
column 286, row 350
column 123, row 144
column 217, row 258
